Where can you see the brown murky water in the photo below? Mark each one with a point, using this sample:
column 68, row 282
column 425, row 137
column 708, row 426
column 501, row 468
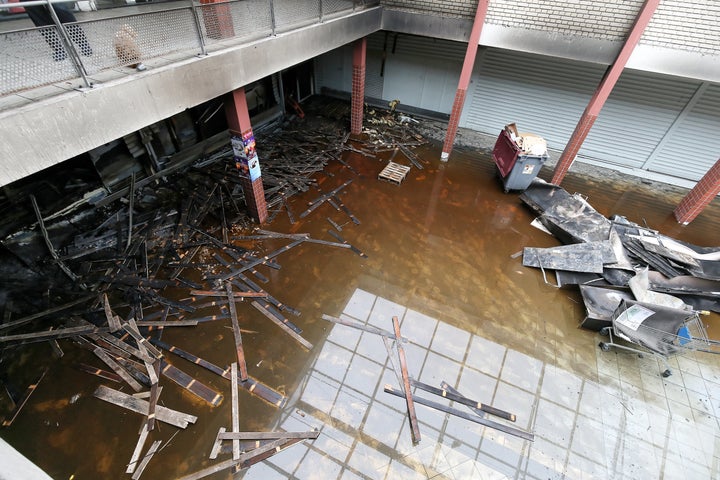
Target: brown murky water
column 441, row 243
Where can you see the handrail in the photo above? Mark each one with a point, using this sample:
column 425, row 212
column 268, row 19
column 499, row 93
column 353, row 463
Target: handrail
column 29, row 61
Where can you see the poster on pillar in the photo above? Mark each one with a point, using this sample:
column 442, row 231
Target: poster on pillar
column 245, row 155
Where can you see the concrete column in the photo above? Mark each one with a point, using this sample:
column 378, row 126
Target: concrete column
column 699, row 197
column 246, row 159
column 465, row 75
column 358, row 87
column 603, row 91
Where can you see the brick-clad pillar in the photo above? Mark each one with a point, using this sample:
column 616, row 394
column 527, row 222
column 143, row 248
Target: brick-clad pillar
column 603, row 91
column 217, row 19
column 465, row 75
column 246, row 159
column 700, row 196
column 358, row 87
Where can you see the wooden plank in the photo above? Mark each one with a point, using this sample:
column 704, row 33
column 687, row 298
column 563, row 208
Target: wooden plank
column 283, row 324
column 146, row 459
column 312, row 434
column 449, row 388
column 257, row 262
column 272, row 446
column 190, row 384
column 217, row 445
column 138, row 405
column 112, row 340
column 235, row 409
column 112, row 319
column 155, row 390
column 442, row 392
column 473, row 418
column 114, row 377
column 361, row 326
column 168, row 323
column 414, row 427
column 252, row 385
column 132, row 328
column 213, row 293
column 281, row 306
column 138, row 450
column 345, row 242
column 240, row 352
column 51, row 334
column 346, row 210
column 100, row 353
column 23, row 400
column 45, row 313
column 273, row 311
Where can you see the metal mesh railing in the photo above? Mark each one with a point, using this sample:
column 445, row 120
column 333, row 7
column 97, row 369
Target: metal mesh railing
column 246, row 19
column 35, row 57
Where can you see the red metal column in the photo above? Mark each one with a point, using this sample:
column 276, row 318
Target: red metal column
column 465, row 75
column 603, row 92
column 358, row 87
column 246, row 159
column 699, row 197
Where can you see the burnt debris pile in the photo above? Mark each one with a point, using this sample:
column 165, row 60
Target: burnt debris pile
column 110, row 272
column 613, row 259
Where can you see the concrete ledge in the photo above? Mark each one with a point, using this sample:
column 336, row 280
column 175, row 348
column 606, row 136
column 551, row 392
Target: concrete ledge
column 50, row 131
column 15, row 466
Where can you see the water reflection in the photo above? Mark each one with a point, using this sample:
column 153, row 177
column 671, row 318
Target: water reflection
column 630, row 423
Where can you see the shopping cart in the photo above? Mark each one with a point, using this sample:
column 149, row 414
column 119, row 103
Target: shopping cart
column 661, row 331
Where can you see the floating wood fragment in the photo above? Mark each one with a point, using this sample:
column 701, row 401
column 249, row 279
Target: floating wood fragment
column 114, row 377
column 169, row 323
column 414, row 427
column 52, row 334
column 245, row 459
column 138, row 450
column 131, row 328
column 100, row 353
column 23, row 400
column 235, row 414
column 361, row 326
column 473, row 418
column 351, row 247
column 213, row 293
column 252, row 385
column 45, row 313
column 347, row 211
column 146, row 459
column 225, row 435
column 112, row 319
column 282, row 322
column 190, row 384
column 455, row 397
column 137, row 405
column 257, row 262
column 236, row 333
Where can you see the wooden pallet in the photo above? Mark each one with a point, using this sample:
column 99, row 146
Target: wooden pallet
column 394, row 173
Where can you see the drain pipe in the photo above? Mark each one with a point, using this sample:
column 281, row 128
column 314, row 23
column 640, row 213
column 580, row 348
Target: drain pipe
column 465, row 75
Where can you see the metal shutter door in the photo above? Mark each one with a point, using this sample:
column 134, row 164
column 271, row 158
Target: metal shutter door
column 693, row 145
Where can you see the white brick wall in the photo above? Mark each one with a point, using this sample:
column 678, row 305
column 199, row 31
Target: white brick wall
column 690, row 25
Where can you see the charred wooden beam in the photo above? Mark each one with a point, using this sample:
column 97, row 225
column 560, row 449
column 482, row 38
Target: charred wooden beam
column 473, row 418
column 137, row 405
column 414, row 427
column 191, row 384
column 23, row 400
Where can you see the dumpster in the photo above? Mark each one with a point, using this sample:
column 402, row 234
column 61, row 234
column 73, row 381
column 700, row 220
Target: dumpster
column 518, row 157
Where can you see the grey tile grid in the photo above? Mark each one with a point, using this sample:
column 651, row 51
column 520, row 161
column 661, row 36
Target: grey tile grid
column 627, row 422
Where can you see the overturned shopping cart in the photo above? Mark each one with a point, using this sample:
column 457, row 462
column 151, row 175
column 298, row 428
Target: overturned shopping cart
column 661, row 331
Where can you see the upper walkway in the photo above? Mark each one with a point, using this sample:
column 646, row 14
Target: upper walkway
column 54, row 110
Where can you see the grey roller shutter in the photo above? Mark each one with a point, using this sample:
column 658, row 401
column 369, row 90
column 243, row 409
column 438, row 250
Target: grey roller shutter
column 546, row 96
column 693, row 144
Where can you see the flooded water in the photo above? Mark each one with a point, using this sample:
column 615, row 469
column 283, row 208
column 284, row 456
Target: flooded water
column 440, row 250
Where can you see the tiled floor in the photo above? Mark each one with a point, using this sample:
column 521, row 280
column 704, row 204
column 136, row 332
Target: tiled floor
column 629, row 423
